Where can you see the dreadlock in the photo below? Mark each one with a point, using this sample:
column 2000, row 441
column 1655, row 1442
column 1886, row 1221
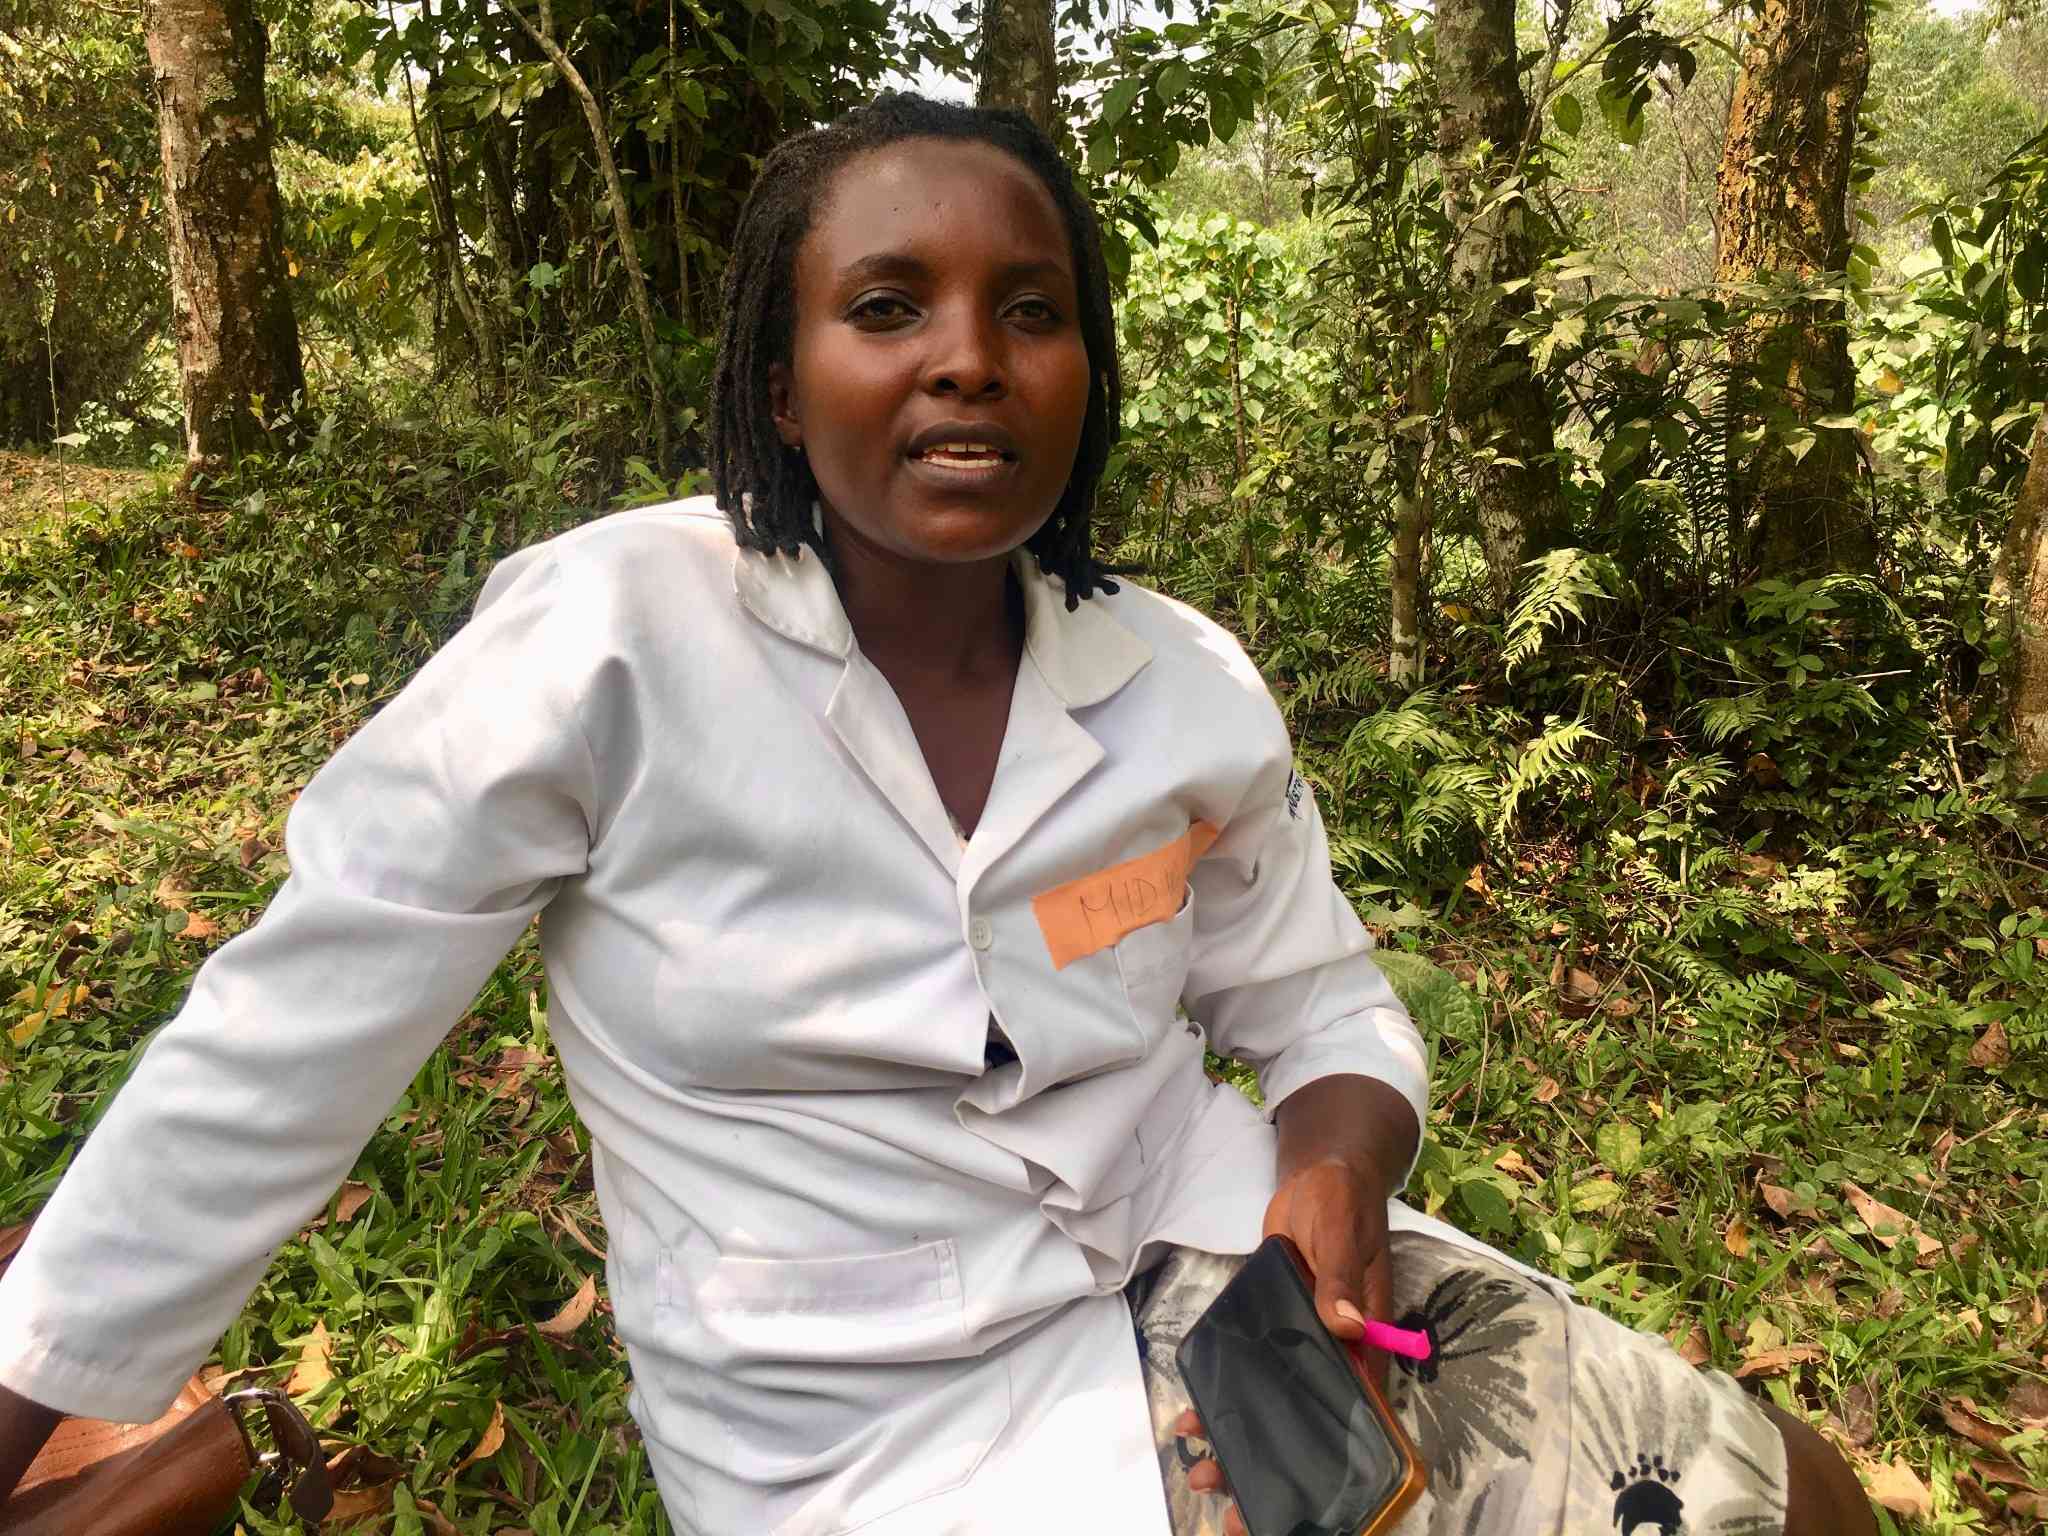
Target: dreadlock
column 765, row 486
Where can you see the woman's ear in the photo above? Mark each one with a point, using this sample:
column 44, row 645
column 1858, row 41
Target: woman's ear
column 782, row 405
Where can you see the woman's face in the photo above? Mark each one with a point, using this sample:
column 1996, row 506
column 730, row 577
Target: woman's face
column 938, row 380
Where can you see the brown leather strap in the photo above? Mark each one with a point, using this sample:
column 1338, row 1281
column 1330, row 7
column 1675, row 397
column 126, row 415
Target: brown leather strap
column 176, row 1477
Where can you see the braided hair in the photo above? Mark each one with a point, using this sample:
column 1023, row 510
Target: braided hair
column 767, row 487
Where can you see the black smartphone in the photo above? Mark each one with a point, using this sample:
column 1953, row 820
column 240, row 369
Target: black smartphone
column 1306, row 1441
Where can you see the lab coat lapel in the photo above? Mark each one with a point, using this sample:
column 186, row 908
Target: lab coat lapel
column 870, row 723
column 794, row 596
column 1071, row 660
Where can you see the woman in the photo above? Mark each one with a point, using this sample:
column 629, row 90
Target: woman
column 880, row 839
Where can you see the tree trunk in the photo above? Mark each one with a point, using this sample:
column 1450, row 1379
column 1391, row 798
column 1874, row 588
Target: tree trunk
column 1019, row 61
column 237, row 339
column 2023, row 585
column 1782, row 215
column 1497, row 405
column 622, row 218
column 1411, row 525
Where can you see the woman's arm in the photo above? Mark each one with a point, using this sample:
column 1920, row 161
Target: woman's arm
column 418, row 855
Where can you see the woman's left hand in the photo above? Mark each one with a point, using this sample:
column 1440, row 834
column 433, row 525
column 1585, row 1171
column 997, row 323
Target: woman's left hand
column 1339, row 1137
column 1335, row 1211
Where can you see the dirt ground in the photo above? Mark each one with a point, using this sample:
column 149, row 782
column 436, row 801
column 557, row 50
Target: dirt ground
column 34, row 484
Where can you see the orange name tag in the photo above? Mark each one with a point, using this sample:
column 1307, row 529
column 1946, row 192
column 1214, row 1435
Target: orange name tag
column 1097, row 910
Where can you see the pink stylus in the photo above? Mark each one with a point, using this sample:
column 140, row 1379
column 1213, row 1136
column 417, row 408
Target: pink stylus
column 1409, row 1343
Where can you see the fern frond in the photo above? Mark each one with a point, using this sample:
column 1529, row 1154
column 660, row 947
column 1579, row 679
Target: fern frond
column 1561, row 584
column 1547, row 759
column 1724, row 719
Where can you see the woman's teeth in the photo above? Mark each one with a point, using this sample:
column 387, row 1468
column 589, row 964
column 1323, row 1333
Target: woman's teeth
column 971, row 454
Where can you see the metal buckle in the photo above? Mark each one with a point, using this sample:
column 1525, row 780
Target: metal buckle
column 296, row 1461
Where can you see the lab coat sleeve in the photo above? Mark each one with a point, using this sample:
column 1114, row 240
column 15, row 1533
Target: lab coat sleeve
column 1281, row 974
column 418, row 854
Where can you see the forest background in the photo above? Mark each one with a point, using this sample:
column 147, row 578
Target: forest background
column 1609, row 425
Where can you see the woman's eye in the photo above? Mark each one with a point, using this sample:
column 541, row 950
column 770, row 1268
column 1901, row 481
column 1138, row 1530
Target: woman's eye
column 1035, row 311
column 879, row 308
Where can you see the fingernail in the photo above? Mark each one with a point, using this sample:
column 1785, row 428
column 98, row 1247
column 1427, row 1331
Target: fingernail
column 1350, row 1314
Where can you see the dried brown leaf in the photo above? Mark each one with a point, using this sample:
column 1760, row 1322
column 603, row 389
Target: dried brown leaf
column 1999, row 1469
column 2028, row 1505
column 1897, row 1487
column 1695, row 1348
column 1776, row 1362
column 1961, row 1415
column 1992, row 1048
column 1785, row 1203
column 574, row 1314
column 1944, row 1144
column 354, row 1197
column 493, row 1438
column 358, row 1466
column 199, row 928
column 2026, row 1404
column 313, row 1370
column 577, row 1235
column 362, row 1503
column 1548, row 1089
column 1859, row 1414
column 1579, row 993
column 1888, row 1224
column 1736, row 1239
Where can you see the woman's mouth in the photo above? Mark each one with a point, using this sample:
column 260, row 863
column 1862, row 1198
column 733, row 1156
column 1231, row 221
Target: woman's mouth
column 964, row 455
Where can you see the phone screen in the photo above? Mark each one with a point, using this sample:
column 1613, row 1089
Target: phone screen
column 1300, row 1444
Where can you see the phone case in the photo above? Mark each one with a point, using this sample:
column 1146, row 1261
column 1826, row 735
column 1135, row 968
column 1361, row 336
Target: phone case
column 1414, row 1475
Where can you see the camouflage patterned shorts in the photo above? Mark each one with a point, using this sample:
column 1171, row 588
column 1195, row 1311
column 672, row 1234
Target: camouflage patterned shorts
column 1535, row 1417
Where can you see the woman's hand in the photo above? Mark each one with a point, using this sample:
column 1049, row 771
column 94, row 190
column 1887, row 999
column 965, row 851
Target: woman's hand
column 1343, row 1143
column 24, row 1426
column 1335, row 1211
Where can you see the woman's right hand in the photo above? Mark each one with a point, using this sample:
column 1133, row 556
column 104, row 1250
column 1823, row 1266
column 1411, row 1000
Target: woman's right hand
column 24, row 1426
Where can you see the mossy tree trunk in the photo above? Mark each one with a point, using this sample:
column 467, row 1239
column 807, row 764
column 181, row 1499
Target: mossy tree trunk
column 2023, row 584
column 1019, row 60
column 1497, row 404
column 1782, row 215
column 238, row 341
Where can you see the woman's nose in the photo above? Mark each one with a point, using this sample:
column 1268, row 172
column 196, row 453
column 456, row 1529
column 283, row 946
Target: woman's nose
column 967, row 359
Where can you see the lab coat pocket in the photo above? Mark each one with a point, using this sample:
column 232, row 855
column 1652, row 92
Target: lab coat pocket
column 1152, row 963
column 844, row 1385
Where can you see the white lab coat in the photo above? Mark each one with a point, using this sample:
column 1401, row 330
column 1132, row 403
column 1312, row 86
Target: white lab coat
column 863, row 1281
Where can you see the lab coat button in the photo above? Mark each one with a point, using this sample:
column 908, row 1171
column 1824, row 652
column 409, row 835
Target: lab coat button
column 980, row 933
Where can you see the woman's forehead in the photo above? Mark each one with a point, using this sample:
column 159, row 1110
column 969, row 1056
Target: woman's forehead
column 941, row 201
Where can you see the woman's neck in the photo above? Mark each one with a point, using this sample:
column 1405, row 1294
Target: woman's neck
column 954, row 622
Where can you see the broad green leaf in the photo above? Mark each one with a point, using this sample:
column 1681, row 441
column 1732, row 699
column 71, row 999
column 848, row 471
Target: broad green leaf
column 1620, row 1146
column 1435, row 999
column 1119, row 98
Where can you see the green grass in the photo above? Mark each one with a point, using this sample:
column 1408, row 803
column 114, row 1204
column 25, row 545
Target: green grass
column 1617, row 1126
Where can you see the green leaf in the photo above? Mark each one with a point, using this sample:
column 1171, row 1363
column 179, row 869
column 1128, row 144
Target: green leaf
column 1173, row 81
column 1489, row 1209
column 1119, row 98
column 1569, row 115
column 1620, row 1146
column 1435, row 999
column 1594, row 1195
column 1222, row 116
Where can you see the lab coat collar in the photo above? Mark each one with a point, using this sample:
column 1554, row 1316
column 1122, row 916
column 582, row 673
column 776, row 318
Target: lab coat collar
column 1085, row 655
